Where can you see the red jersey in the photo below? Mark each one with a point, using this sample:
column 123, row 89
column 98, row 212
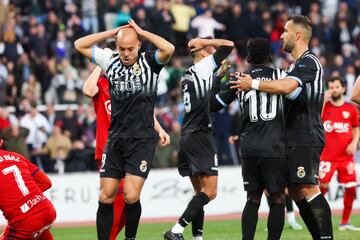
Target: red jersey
column 338, row 124
column 19, row 192
column 102, row 108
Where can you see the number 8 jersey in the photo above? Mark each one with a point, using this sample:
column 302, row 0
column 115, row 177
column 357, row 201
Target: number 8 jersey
column 196, row 84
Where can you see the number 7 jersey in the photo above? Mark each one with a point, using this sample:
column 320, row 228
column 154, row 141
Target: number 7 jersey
column 263, row 121
column 19, row 193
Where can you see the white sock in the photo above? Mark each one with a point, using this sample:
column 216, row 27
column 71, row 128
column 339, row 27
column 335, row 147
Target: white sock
column 290, row 216
column 198, row 238
column 177, row 228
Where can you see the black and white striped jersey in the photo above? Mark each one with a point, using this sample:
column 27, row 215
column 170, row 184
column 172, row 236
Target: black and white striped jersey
column 196, row 83
column 304, row 106
column 262, row 116
column 132, row 92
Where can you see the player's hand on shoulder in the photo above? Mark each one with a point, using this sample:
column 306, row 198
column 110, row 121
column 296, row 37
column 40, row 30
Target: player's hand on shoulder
column 164, row 138
column 196, row 44
column 242, row 82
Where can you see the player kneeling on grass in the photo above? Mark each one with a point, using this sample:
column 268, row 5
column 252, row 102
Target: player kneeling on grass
column 28, row 212
column 341, row 124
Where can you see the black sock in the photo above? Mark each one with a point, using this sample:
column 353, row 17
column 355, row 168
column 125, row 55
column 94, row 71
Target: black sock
column 104, row 220
column 198, row 224
column 322, row 216
column 194, row 207
column 306, row 215
column 289, row 204
column 249, row 220
column 275, row 223
column 132, row 216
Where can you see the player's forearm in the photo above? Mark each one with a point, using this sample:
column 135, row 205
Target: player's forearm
column 157, row 125
column 90, row 88
column 355, row 95
column 356, row 135
column 166, row 49
column 278, row 87
column 84, row 44
column 218, row 42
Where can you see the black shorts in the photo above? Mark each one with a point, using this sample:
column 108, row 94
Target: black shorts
column 128, row 155
column 304, row 164
column 270, row 173
column 197, row 155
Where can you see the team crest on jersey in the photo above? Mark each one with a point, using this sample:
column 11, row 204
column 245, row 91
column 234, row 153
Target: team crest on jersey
column 143, row 166
column 346, row 114
column 301, row 172
column 136, row 70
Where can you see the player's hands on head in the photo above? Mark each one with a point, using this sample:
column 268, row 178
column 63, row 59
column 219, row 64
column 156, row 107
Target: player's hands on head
column 196, row 44
column 164, row 138
column 138, row 29
column 242, row 83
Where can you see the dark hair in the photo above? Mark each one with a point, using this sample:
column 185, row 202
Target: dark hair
column 337, row 78
column 111, row 44
column 300, row 20
column 259, row 51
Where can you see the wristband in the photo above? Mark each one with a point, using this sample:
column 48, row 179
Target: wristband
column 255, row 84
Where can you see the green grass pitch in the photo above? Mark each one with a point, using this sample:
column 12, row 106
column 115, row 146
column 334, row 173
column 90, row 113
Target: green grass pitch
column 213, row 230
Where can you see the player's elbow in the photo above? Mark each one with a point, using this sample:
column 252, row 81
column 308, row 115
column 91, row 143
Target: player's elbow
column 169, row 50
column 88, row 93
column 355, row 99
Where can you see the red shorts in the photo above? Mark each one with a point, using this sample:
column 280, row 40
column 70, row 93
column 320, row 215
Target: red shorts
column 33, row 226
column 346, row 171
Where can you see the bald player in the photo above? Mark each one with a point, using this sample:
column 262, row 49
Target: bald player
column 129, row 151
column 304, row 90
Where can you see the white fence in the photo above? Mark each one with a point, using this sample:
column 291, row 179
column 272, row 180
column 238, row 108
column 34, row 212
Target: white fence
column 165, row 194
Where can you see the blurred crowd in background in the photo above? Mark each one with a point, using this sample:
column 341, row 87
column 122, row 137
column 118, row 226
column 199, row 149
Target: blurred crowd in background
column 43, row 113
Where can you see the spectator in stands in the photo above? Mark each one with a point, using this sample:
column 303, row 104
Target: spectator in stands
column 123, row 16
column 15, row 136
column 162, row 20
column 12, row 46
column 32, row 89
column 89, row 16
column 206, row 24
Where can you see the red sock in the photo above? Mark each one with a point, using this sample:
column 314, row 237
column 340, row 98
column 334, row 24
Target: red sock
column 349, row 197
column 324, row 190
column 119, row 212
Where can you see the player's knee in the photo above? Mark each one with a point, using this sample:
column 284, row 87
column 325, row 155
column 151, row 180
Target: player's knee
column 278, row 198
column 212, row 194
column 131, row 197
column 106, row 197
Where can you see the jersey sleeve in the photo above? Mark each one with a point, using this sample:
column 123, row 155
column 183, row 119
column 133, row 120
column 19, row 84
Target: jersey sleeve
column 101, row 57
column 355, row 117
column 205, row 66
column 153, row 61
column 304, row 71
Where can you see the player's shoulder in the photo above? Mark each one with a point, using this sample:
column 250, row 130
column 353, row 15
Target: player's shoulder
column 350, row 105
column 308, row 60
column 11, row 156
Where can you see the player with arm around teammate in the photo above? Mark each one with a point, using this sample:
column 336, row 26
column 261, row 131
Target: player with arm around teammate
column 129, row 151
column 262, row 140
column 304, row 87
column 197, row 156
column 28, row 212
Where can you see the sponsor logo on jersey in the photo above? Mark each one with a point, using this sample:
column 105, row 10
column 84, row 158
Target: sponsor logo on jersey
column 37, row 234
column 108, row 106
column 126, row 85
column 339, row 127
column 31, row 203
column 346, row 114
column 8, row 157
column 301, row 172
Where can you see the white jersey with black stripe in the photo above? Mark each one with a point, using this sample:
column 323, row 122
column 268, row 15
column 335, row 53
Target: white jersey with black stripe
column 196, row 83
column 132, row 92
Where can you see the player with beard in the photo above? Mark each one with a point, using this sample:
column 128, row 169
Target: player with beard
column 304, row 87
column 341, row 124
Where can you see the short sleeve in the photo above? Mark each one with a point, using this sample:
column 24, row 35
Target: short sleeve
column 101, row 57
column 205, row 66
column 355, row 117
column 32, row 167
column 304, row 71
column 153, row 61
